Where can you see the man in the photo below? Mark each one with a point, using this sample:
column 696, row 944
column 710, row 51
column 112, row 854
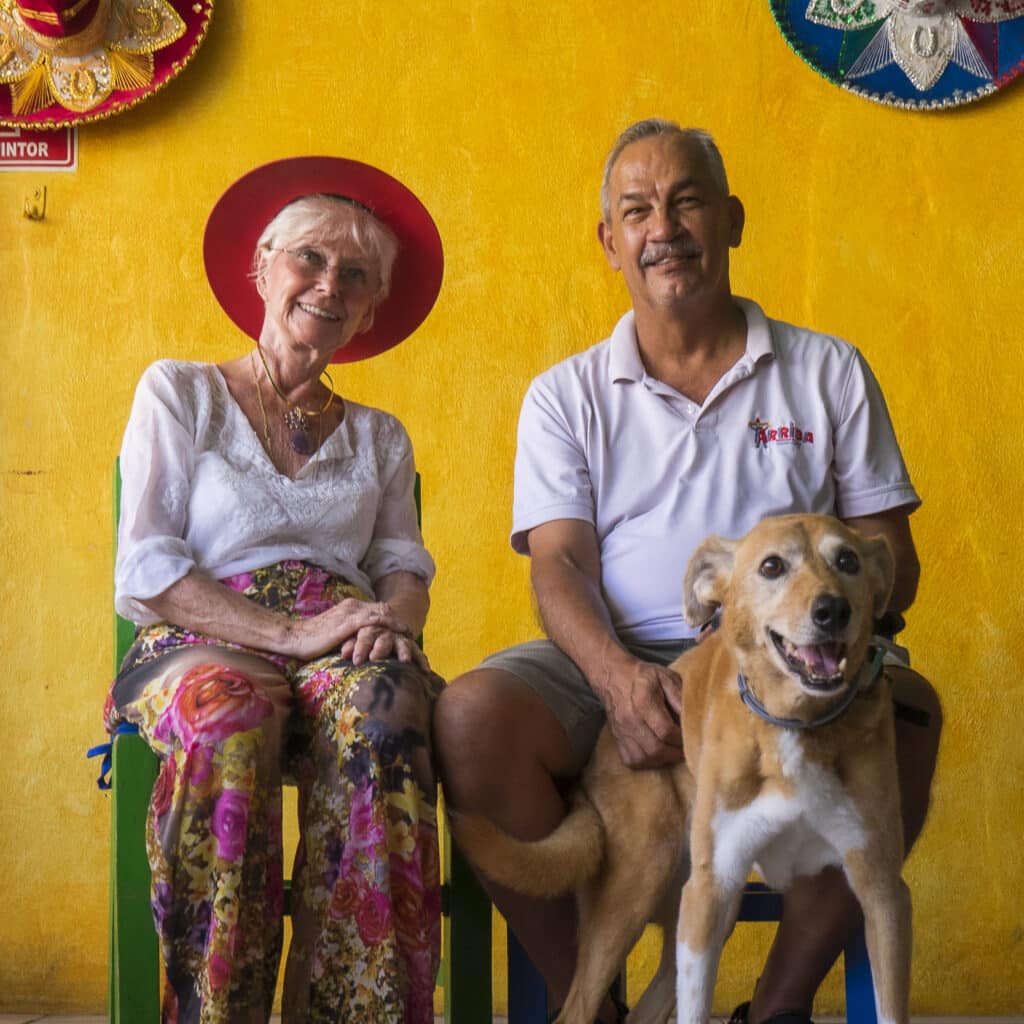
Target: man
column 698, row 416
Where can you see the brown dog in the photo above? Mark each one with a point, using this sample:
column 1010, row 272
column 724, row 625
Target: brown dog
column 790, row 766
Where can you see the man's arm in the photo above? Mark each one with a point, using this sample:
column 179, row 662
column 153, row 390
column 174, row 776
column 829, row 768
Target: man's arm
column 638, row 696
column 894, row 525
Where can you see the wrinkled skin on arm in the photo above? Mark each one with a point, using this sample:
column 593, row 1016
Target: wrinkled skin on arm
column 365, row 628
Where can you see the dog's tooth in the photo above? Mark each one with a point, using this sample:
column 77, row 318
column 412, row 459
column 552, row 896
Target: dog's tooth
column 842, row 665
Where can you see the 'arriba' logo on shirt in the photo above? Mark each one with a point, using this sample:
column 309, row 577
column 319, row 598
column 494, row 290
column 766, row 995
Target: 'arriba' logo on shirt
column 765, row 434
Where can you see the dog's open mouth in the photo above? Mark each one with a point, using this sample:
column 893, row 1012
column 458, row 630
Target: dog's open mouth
column 820, row 666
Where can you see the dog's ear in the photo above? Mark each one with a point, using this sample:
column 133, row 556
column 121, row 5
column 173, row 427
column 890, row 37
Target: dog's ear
column 881, row 570
column 707, row 576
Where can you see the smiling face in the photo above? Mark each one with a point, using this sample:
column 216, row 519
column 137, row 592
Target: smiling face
column 321, row 273
column 320, row 293
column 670, row 224
column 813, row 595
column 799, row 597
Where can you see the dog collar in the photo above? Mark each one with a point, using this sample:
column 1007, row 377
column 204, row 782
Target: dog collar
column 872, row 669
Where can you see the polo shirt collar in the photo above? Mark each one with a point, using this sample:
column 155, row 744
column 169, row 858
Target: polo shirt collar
column 759, row 334
column 625, row 364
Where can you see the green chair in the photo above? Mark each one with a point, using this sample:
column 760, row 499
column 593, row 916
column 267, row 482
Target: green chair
column 133, row 981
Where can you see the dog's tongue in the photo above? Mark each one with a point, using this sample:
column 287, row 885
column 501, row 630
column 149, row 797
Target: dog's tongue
column 822, row 660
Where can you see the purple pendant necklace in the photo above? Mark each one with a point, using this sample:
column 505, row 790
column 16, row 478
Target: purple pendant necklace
column 296, row 419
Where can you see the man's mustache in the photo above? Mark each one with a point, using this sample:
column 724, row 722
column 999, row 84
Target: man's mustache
column 658, row 251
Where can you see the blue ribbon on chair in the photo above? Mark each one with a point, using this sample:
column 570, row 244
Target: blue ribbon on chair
column 106, row 751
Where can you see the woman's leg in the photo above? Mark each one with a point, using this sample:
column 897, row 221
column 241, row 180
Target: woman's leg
column 217, row 719
column 366, row 886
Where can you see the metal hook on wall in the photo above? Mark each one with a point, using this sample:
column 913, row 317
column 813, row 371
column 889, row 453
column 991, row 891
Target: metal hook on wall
column 35, row 203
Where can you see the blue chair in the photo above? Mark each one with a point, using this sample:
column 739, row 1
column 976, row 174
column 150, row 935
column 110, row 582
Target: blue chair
column 528, row 994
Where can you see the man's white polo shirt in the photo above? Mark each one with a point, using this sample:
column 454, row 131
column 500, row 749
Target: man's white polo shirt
column 798, row 424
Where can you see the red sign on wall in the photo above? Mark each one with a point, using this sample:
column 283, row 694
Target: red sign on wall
column 27, row 149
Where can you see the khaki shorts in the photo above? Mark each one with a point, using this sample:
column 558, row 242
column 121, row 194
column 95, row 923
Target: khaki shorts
column 554, row 677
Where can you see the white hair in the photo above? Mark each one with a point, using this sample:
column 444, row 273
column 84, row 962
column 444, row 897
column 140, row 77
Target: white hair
column 331, row 218
column 659, row 126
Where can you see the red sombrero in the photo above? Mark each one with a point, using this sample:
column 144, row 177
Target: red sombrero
column 249, row 205
column 66, row 62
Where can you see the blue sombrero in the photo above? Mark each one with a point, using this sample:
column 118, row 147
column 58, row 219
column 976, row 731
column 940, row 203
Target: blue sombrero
column 918, row 54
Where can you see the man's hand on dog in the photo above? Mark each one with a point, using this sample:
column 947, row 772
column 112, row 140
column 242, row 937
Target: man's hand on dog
column 642, row 701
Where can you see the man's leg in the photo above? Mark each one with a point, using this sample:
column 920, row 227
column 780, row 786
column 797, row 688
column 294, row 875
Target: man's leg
column 820, row 913
column 503, row 753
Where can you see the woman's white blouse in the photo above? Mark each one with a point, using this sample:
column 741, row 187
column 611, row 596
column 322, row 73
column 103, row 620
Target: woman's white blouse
column 199, row 492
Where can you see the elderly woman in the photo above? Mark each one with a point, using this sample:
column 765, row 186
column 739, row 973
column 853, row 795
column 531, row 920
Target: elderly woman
column 269, row 552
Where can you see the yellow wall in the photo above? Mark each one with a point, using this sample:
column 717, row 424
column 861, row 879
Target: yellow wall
column 900, row 231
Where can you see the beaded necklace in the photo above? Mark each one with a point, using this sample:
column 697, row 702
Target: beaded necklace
column 266, row 421
column 296, row 419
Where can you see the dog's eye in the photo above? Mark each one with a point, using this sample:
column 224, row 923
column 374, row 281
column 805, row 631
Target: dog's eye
column 848, row 562
column 772, row 567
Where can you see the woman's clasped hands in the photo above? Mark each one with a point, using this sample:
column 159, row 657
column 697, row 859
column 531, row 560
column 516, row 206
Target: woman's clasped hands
column 361, row 631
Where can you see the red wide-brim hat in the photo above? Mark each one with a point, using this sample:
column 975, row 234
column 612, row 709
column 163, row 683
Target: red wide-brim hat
column 252, row 202
column 69, row 62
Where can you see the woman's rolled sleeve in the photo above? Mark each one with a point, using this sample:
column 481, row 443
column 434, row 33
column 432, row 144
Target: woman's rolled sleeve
column 150, row 568
column 397, row 544
column 388, row 556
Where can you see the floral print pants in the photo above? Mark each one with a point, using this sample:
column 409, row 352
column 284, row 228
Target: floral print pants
column 229, row 725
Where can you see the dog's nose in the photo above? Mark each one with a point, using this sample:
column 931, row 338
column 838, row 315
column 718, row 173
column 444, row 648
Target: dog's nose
column 830, row 612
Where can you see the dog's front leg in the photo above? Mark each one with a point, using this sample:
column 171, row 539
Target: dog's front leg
column 706, row 915
column 874, row 874
column 707, row 912
column 885, row 900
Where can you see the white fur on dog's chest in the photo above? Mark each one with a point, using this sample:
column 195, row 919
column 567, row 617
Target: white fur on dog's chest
column 788, row 834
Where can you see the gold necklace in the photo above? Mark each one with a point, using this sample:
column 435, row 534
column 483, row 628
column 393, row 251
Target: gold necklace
column 296, row 418
column 263, row 411
column 266, row 421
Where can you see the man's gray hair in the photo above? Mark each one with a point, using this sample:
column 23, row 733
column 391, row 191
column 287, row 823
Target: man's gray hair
column 659, row 126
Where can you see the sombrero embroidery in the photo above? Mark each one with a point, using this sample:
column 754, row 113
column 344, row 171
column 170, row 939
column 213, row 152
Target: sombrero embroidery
column 69, row 61
column 909, row 53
